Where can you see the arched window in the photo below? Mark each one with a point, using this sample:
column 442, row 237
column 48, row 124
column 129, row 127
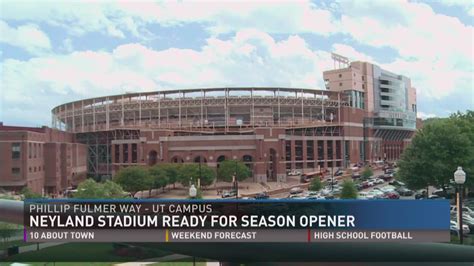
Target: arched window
column 152, row 157
column 201, row 159
column 177, row 159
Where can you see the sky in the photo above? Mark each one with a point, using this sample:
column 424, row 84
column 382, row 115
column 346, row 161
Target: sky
column 56, row 52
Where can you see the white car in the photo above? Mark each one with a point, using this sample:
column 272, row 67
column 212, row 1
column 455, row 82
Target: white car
column 387, row 189
column 465, row 228
column 379, row 181
column 465, row 210
column 376, row 194
column 363, row 195
column 296, row 190
column 294, row 172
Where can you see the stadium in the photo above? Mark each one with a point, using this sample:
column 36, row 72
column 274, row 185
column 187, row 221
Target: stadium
column 365, row 114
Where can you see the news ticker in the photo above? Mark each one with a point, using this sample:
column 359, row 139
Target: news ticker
column 159, row 220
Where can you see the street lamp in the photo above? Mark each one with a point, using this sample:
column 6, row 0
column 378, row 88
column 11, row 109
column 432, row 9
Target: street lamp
column 192, row 191
column 236, row 183
column 459, row 179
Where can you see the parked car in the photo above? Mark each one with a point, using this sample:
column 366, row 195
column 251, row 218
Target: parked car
column 396, row 183
column 391, row 195
column 355, row 175
column 262, row 195
column 389, row 171
column 359, row 187
column 362, row 195
column 339, row 172
column 229, row 194
column 387, row 188
column 296, row 190
column 443, row 193
column 379, row 181
column 435, row 197
column 403, row 191
column 375, row 194
column 454, row 228
column 465, row 210
column 365, row 184
column 293, row 172
column 386, row 177
column 420, row 194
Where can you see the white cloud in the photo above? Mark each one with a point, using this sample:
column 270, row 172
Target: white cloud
column 425, row 115
column 28, row 37
column 250, row 58
column 467, row 5
column 435, row 50
column 116, row 18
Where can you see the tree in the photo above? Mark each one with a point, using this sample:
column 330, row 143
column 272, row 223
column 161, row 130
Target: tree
column 349, row 190
column 228, row 168
column 316, row 184
column 28, row 194
column 172, row 172
column 112, row 190
column 367, row 172
column 437, row 150
column 7, row 230
column 159, row 176
column 134, row 179
column 189, row 173
column 90, row 189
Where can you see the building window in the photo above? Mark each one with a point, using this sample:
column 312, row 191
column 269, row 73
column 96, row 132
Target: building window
column 125, row 153
column 329, row 149
column 16, row 150
column 320, row 150
column 338, row 149
column 117, row 153
column 363, row 78
column 363, row 86
column 340, row 84
column 134, row 153
column 309, row 150
column 288, row 154
column 29, row 151
column 340, row 75
column 299, row 150
column 30, row 169
column 15, row 171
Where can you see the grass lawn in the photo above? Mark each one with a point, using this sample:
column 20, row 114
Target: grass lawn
column 468, row 240
column 82, row 252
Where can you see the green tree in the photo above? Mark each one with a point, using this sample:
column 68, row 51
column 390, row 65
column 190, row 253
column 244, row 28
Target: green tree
column 113, row 190
column 190, row 173
column 367, row 172
column 316, row 184
column 90, row 189
column 28, row 194
column 159, row 176
column 134, row 179
column 7, row 230
column 228, row 168
column 437, row 150
column 172, row 172
column 349, row 190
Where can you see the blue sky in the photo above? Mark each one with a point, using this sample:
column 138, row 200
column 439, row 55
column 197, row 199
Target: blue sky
column 55, row 52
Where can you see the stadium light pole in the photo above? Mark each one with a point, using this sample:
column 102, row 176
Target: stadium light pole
column 460, row 178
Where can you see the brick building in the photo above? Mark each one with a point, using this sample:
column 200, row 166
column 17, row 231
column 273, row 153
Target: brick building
column 45, row 160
